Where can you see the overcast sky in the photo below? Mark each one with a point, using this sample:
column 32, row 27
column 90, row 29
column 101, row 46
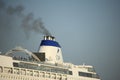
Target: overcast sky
column 87, row 30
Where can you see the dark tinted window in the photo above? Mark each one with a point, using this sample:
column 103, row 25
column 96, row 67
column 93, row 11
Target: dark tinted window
column 41, row 56
column 15, row 64
column 88, row 75
column 70, row 72
column 85, row 74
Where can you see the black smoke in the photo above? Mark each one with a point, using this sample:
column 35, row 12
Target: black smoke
column 27, row 21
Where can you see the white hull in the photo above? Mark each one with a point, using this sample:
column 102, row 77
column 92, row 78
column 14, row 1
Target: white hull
column 21, row 77
column 7, row 73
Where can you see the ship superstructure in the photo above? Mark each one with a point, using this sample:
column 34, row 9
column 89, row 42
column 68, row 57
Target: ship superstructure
column 46, row 64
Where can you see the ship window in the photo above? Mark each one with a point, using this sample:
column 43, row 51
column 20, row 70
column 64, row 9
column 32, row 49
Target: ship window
column 1, row 69
column 15, row 64
column 70, row 73
column 41, row 56
column 88, row 75
column 85, row 74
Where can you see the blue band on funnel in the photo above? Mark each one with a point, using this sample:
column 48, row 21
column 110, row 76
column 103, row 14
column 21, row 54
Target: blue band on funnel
column 49, row 43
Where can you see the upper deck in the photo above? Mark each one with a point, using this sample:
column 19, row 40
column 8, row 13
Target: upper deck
column 65, row 69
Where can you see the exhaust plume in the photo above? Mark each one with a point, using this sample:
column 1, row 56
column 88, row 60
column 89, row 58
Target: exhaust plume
column 27, row 22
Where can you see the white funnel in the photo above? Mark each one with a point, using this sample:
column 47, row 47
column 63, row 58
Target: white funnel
column 52, row 49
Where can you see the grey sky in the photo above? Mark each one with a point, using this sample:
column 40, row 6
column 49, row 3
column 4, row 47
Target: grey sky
column 88, row 31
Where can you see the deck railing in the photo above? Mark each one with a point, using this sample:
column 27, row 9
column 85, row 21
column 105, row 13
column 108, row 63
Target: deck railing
column 11, row 73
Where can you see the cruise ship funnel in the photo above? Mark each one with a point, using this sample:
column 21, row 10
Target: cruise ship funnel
column 52, row 49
